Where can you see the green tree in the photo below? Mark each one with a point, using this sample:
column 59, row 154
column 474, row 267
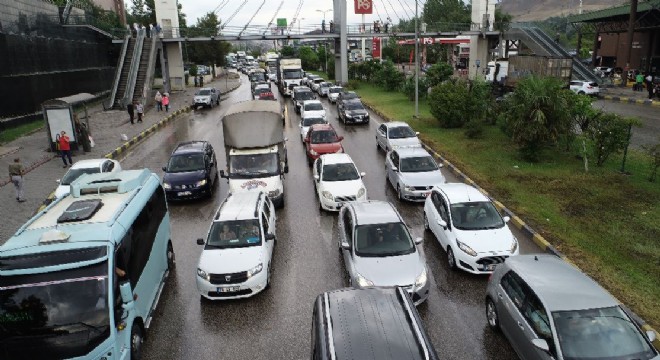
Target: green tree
column 287, row 51
column 609, row 135
column 388, row 76
column 502, row 20
column 448, row 103
column 442, row 15
column 308, row 58
column 211, row 52
column 536, row 114
column 438, row 73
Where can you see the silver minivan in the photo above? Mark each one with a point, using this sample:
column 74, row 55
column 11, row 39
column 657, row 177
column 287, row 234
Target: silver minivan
column 549, row 309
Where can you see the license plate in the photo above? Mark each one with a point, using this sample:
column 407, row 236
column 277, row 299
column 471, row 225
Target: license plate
column 183, row 193
column 228, row 289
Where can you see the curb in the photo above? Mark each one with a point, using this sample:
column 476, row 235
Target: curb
column 623, row 99
column 537, row 238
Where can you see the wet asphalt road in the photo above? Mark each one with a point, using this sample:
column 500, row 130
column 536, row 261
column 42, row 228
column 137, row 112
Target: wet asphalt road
column 276, row 323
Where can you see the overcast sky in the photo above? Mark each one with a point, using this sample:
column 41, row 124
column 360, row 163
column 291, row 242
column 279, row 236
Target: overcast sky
column 309, row 16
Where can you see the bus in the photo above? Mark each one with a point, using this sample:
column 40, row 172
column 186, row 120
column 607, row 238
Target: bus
column 82, row 278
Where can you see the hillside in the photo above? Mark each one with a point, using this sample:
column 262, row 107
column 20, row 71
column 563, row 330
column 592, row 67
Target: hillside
column 533, row 10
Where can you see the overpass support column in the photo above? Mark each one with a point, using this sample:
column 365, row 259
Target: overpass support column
column 341, row 44
column 483, row 18
column 167, row 15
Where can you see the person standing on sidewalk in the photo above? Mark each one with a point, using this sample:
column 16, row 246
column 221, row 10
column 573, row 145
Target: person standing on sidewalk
column 16, row 172
column 140, row 111
column 166, row 102
column 649, row 84
column 65, row 148
column 159, row 100
column 130, row 108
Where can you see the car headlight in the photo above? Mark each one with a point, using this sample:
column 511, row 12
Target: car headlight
column 312, row 152
column 361, row 192
column 420, row 281
column 201, row 183
column 361, row 281
column 366, row 116
column 409, row 188
column 348, row 115
column 466, row 249
column 274, row 193
column 255, row 270
column 201, row 273
column 326, row 194
column 514, row 245
column 166, row 186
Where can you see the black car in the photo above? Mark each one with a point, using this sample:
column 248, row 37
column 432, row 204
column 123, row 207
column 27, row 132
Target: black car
column 191, row 172
column 352, row 111
column 300, row 95
column 368, row 323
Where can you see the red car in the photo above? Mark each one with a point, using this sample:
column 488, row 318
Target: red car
column 322, row 139
column 266, row 96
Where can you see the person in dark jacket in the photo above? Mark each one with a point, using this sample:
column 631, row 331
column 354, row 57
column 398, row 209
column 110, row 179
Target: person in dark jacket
column 131, row 111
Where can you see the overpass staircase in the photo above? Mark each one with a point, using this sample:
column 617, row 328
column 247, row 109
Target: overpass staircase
column 541, row 44
column 135, row 71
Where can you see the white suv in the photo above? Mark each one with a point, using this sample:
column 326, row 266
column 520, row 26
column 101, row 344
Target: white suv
column 236, row 260
column 584, row 87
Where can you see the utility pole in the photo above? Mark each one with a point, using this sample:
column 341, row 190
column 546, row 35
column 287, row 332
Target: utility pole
column 416, row 64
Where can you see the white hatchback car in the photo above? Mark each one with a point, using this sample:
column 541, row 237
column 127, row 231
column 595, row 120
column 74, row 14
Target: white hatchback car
column 306, row 122
column 469, row 228
column 333, row 93
column 396, row 134
column 89, row 166
column 312, row 108
column 337, row 181
column 584, row 87
column 236, row 260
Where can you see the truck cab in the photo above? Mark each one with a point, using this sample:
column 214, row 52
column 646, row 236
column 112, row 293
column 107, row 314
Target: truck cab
column 259, row 169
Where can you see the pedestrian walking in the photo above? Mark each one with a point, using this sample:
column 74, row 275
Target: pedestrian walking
column 649, row 84
column 140, row 111
column 16, row 172
column 166, row 101
column 65, row 148
column 131, row 111
column 332, row 26
column 639, row 81
column 201, row 81
column 159, row 101
column 323, row 26
column 196, row 81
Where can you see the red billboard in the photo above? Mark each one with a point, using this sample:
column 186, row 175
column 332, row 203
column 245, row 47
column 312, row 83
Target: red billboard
column 375, row 48
column 363, row 6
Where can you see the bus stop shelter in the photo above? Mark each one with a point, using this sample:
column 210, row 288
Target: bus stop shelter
column 59, row 115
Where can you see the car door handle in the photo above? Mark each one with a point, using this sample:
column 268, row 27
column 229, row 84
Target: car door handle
column 521, row 325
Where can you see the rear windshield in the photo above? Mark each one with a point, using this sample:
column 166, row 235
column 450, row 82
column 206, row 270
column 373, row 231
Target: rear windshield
column 313, row 106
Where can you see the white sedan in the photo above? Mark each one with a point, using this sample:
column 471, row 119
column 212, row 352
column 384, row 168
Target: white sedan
column 469, row 228
column 89, row 166
column 311, row 108
column 396, row 134
column 337, row 181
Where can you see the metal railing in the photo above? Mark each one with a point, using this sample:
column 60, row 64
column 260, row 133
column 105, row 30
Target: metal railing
column 120, row 66
column 135, row 66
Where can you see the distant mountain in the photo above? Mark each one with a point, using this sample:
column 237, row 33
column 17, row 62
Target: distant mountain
column 533, row 10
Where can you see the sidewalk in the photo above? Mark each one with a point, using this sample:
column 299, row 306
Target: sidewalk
column 45, row 167
column 626, row 94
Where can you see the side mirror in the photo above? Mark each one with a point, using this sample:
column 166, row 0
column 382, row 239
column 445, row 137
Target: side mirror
column 223, row 174
column 58, row 181
column 418, row 240
column 506, row 219
column 164, row 168
column 417, row 133
column 306, row 140
column 317, row 178
column 345, row 245
column 650, row 334
column 394, row 168
column 200, row 241
column 363, row 174
column 340, row 138
column 126, row 293
column 541, row 344
column 440, row 165
column 270, row 236
column 442, row 223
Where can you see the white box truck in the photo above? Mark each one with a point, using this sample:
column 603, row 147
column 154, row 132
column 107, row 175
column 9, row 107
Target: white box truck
column 289, row 74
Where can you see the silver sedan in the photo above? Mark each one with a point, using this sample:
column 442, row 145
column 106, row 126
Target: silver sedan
column 413, row 172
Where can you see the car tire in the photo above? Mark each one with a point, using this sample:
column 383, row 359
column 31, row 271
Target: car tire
column 491, row 314
column 451, row 259
column 426, row 222
column 136, row 342
column 580, row 92
column 171, row 257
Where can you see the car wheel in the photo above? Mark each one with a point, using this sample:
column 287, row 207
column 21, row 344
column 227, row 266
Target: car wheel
column 451, row 260
column 581, row 92
column 491, row 314
column 171, row 258
column 136, row 342
column 426, row 222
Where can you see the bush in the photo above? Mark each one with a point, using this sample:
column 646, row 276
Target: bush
column 408, row 88
column 448, row 103
column 654, row 152
column 388, row 76
column 438, row 73
column 474, row 129
column 353, row 84
column 609, row 135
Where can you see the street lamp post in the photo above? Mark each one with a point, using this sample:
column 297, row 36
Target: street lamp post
column 416, row 65
column 325, row 52
column 323, row 11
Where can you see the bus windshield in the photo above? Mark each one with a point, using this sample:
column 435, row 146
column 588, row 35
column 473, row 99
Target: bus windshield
column 54, row 315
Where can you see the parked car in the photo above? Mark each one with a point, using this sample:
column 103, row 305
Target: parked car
column 206, row 97
column 548, row 309
column 395, row 134
column 191, row 172
column 300, row 95
column 352, row 111
column 378, row 249
column 584, row 87
column 322, row 139
column 333, row 93
column 324, row 88
column 88, row 166
column 469, row 228
column 312, row 108
column 337, row 180
column 238, row 251
column 353, row 320
column 306, row 122
column 412, row 172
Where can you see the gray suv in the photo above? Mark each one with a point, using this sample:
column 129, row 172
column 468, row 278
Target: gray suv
column 378, row 250
column 549, row 309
